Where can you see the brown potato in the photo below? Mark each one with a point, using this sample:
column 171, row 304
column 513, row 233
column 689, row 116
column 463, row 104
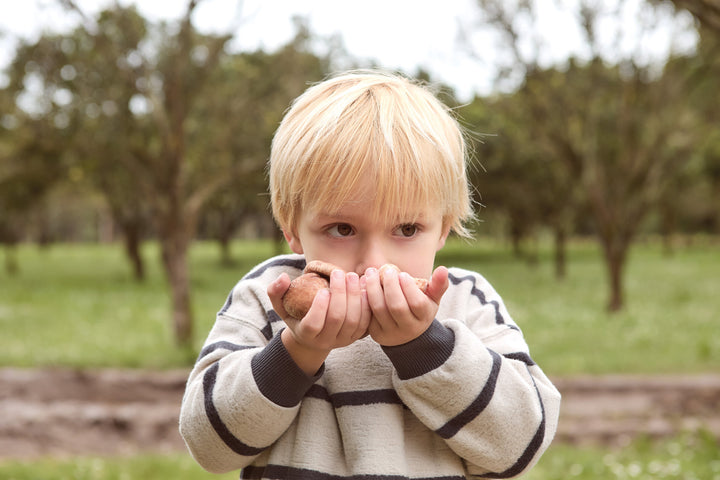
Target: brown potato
column 299, row 296
column 422, row 283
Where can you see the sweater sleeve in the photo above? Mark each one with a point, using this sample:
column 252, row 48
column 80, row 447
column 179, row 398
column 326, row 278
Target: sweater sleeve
column 244, row 390
column 470, row 379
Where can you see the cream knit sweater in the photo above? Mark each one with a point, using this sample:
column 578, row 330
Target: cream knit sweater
column 463, row 400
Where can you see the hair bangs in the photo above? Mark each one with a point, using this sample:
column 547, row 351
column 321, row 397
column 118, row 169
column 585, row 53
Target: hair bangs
column 372, row 150
column 371, row 135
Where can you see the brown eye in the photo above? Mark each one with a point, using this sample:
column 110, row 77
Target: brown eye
column 340, row 230
column 407, row 230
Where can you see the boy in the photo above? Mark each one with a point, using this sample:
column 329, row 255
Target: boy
column 379, row 379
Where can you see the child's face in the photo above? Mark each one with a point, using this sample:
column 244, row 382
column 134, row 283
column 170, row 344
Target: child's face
column 354, row 240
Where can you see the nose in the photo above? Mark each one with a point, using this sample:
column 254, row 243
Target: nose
column 371, row 254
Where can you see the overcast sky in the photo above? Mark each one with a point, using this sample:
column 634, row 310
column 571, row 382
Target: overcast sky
column 404, row 34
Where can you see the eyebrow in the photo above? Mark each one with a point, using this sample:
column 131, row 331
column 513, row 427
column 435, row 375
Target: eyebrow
column 342, row 217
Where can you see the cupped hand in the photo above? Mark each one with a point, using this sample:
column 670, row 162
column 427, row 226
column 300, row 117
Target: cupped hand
column 339, row 315
column 401, row 311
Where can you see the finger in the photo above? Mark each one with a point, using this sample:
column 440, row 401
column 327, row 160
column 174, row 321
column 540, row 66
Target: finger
column 367, row 314
column 313, row 324
column 365, row 317
column 395, row 301
column 276, row 290
column 375, row 294
column 353, row 303
column 338, row 303
column 414, row 297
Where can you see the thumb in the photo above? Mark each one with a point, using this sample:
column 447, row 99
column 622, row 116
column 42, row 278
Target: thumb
column 438, row 284
column 276, row 290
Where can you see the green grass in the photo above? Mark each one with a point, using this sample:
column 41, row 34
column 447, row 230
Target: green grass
column 77, row 305
column 669, row 323
column 687, row 457
column 144, row 467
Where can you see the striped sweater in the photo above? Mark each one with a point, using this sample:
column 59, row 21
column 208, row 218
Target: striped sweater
column 463, row 400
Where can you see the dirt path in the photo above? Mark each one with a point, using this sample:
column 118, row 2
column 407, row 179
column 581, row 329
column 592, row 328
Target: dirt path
column 116, row 412
column 612, row 410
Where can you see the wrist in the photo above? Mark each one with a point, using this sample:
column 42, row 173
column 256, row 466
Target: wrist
column 278, row 377
column 309, row 359
column 423, row 354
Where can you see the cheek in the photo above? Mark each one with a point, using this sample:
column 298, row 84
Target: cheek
column 330, row 253
column 419, row 262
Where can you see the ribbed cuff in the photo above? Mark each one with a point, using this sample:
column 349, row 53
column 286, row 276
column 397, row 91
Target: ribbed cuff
column 423, row 354
column 278, row 377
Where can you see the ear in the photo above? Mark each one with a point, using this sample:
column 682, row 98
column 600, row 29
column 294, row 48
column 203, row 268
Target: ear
column 293, row 241
column 443, row 237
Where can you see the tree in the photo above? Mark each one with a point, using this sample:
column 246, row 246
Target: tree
column 696, row 190
column 184, row 63
column 704, row 70
column 144, row 84
column 92, row 70
column 523, row 180
column 253, row 89
column 501, row 177
column 618, row 130
column 32, row 157
column 152, row 104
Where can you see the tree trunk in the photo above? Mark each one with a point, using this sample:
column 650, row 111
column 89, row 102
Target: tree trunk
column 132, row 239
column 175, row 248
column 516, row 237
column 615, row 255
column 226, row 230
column 226, row 259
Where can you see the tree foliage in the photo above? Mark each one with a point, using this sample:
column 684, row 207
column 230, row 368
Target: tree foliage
column 162, row 119
column 608, row 137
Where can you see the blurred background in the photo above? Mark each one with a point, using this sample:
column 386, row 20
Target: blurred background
column 125, row 121
column 134, row 137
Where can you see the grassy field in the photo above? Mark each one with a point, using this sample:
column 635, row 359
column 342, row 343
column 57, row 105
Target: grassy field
column 77, row 305
column 688, row 457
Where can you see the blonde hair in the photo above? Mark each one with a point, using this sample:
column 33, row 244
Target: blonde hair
column 369, row 124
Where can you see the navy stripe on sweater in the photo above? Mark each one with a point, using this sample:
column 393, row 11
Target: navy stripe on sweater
column 298, row 263
column 218, row 425
column 520, row 356
column 292, row 473
column 267, row 330
column 532, row 448
column 233, row 347
column 478, row 405
column 355, row 398
column 480, row 295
